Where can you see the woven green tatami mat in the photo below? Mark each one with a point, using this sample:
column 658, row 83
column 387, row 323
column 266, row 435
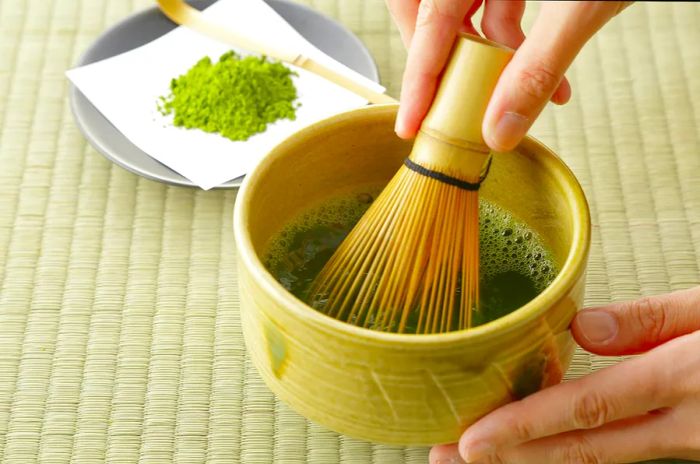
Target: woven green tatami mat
column 119, row 330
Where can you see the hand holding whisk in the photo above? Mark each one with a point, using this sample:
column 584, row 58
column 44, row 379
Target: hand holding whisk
column 412, row 261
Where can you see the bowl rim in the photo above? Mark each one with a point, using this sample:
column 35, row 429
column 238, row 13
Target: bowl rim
column 573, row 266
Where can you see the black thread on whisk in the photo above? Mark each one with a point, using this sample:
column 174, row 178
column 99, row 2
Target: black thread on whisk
column 448, row 179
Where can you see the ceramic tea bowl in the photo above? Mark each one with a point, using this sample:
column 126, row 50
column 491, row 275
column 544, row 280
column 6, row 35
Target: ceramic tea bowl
column 400, row 388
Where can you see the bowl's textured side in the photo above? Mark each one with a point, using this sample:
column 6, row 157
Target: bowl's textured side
column 388, row 388
column 398, row 393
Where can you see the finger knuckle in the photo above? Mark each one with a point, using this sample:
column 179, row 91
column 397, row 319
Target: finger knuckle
column 514, row 421
column 538, row 81
column 493, row 26
column 522, row 430
column 591, row 410
column 433, row 10
column 650, row 315
column 427, row 11
column 580, row 451
column 490, row 27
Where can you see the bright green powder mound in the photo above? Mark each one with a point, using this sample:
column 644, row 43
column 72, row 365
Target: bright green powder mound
column 236, row 97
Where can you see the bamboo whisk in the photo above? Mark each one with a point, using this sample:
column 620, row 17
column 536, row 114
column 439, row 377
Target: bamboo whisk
column 412, row 261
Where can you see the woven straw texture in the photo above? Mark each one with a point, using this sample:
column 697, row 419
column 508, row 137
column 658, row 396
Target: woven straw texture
column 119, row 329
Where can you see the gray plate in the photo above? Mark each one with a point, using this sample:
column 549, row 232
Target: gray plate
column 141, row 28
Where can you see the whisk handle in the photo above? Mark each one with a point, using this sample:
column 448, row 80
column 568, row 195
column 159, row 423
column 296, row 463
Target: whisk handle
column 457, row 112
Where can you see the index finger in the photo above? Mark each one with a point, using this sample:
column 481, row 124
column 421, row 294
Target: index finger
column 631, row 388
column 436, row 27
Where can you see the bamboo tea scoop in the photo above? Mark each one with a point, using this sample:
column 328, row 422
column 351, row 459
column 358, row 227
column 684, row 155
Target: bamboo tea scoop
column 181, row 13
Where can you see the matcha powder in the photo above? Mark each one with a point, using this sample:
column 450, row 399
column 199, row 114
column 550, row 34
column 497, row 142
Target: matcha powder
column 236, row 97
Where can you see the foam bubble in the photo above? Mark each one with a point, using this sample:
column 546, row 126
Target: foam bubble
column 508, row 245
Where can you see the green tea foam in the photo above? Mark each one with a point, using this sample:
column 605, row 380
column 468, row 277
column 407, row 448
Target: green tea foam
column 514, row 265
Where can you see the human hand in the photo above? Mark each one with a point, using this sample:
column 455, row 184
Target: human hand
column 645, row 407
column 534, row 75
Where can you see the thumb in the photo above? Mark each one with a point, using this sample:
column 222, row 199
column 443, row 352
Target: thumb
column 637, row 326
column 537, row 68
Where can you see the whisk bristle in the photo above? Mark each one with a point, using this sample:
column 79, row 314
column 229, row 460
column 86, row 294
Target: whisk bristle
column 411, row 263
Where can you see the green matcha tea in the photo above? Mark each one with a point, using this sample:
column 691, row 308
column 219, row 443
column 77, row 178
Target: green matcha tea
column 514, row 265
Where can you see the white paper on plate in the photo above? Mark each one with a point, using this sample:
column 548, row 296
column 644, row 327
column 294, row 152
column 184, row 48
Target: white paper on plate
column 126, row 88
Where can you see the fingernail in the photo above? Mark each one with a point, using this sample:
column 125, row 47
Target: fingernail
column 508, row 131
column 598, row 327
column 445, row 454
column 478, row 450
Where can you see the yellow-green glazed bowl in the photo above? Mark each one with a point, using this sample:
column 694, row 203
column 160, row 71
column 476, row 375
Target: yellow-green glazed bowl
column 399, row 388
